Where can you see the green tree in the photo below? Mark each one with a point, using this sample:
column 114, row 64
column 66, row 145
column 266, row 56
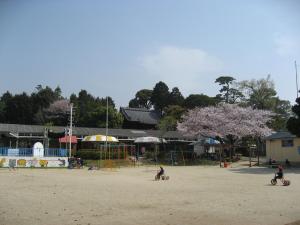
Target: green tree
column 167, row 123
column 160, row 96
column 42, row 98
column 91, row 111
column 172, row 115
column 175, row 97
column 282, row 108
column 142, row 99
column 260, row 94
column 3, row 105
column 58, row 92
column 19, row 109
column 199, row 100
column 293, row 123
column 228, row 94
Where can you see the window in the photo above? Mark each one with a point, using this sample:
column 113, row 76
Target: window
column 287, row 143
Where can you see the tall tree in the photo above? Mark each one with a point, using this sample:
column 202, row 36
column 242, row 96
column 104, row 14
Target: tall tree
column 43, row 97
column 160, row 96
column 6, row 97
column 175, row 97
column 91, row 111
column 19, row 109
column 283, row 111
column 142, row 99
column 259, row 94
column 293, row 124
column 228, row 93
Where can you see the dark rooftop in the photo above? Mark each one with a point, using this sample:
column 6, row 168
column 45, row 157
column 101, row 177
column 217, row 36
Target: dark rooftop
column 140, row 115
column 280, row 135
column 84, row 131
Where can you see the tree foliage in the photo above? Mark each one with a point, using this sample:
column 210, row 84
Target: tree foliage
column 293, row 124
column 259, row 94
column 58, row 112
column 160, row 96
column 172, row 115
column 91, row 111
column 175, row 97
column 228, row 93
column 142, row 99
column 199, row 100
column 226, row 120
column 47, row 106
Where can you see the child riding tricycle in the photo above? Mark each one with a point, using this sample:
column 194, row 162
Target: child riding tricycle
column 279, row 175
column 161, row 174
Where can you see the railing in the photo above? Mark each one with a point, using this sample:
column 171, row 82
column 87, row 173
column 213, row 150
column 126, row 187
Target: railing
column 49, row 152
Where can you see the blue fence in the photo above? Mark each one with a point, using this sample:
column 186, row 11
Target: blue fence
column 49, row 152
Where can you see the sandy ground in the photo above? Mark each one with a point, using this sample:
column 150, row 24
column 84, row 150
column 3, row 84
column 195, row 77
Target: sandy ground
column 193, row 195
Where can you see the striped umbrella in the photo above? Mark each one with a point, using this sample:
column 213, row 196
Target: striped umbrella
column 100, row 138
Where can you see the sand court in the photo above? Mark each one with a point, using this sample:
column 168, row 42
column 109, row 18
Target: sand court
column 193, row 195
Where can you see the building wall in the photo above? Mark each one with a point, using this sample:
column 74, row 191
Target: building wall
column 18, row 161
column 275, row 150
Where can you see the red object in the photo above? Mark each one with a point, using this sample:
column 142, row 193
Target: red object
column 66, row 139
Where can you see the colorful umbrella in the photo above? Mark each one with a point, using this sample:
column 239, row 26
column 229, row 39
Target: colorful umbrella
column 149, row 140
column 100, row 138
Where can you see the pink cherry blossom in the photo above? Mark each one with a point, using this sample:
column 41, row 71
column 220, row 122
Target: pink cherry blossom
column 224, row 120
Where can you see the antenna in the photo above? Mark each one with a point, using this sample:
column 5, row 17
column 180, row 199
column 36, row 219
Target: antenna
column 296, row 78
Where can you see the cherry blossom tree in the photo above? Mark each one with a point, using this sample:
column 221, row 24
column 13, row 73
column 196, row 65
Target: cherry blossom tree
column 226, row 121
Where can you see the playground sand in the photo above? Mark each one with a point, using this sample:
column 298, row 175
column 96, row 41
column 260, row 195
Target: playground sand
column 193, row 195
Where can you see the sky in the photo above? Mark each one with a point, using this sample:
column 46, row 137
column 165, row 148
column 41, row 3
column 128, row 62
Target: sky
column 116, row 48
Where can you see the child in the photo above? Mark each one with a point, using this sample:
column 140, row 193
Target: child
column 161, row 172
column 279, row 174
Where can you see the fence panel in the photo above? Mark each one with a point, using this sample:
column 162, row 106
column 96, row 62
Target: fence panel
column 49, row 152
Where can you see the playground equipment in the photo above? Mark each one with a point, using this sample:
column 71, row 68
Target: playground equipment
column 112, row 155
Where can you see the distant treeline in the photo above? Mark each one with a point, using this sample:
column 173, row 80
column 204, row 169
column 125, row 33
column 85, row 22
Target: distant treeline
column 45, row 106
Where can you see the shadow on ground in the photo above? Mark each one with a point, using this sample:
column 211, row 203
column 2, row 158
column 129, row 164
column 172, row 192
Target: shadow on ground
column 294, row 223
column 262, row 170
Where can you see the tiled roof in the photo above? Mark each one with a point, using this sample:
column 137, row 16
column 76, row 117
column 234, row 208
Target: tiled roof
column 140, row 115
column 84, row 131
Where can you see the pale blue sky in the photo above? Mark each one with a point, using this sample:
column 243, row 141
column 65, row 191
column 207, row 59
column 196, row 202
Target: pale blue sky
column 116, row 48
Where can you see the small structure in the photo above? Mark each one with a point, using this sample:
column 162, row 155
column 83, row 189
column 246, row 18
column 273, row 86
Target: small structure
column 205, row 146
column 283, row 145
column 38, row 149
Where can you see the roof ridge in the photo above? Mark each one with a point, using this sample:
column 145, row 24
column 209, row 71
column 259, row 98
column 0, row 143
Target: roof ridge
column 137, row 109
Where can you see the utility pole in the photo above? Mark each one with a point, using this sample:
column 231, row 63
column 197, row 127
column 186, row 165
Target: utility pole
column 296, row 79
column 70, row 130
column 106, row 130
